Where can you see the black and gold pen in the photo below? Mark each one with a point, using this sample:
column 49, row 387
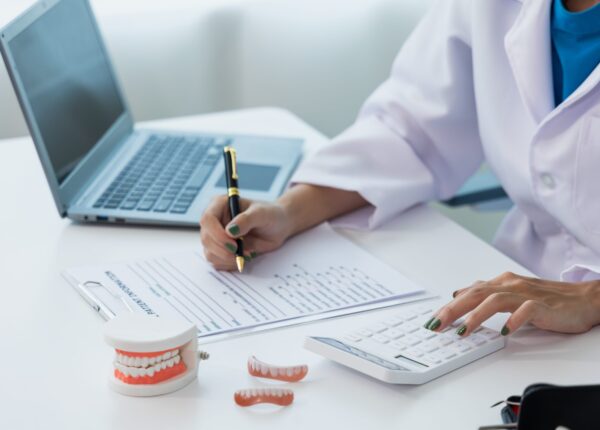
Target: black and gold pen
column 233, row 193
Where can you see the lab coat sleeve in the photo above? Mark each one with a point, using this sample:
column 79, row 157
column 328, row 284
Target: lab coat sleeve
column 581, row 273
column 416, row 137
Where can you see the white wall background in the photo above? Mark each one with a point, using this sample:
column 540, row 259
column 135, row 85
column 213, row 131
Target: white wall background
column 318, row 58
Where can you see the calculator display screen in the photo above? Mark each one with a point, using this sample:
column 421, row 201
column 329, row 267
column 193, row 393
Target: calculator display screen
column 362, row 354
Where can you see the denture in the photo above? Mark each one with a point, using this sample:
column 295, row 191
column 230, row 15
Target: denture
column 281, row 373
column 254, row 396
column 153, row 355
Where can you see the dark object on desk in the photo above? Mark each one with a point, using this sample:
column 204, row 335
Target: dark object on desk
column 482, row 187
column 233, row 193
column 544, row 406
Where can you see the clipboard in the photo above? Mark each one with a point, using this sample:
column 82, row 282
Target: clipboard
column 296, row 285
column 108, row 304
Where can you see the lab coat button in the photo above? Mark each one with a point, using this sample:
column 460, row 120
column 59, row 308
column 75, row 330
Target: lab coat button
column 548, row 180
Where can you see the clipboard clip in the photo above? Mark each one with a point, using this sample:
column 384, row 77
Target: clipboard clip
column 105, row 311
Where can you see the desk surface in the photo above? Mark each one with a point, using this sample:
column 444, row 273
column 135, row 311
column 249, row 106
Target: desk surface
column 55, row 363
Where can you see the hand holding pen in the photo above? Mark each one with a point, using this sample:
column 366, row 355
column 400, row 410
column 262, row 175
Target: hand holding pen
column 263, row 227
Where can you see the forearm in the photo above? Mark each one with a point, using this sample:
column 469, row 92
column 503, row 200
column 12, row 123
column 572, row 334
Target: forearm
column 308, row 205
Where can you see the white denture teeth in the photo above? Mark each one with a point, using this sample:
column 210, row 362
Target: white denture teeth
column 282, row 373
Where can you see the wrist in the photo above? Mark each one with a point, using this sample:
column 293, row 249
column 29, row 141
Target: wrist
column 593, row 297
column 289, row 215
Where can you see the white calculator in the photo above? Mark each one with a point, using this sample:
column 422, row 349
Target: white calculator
column 399, row 350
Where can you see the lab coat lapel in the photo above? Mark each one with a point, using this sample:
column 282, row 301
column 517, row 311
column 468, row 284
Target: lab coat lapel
column 529, row 51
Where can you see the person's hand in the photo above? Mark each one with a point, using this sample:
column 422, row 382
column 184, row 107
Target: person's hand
column 263, row 226
column 556, row 306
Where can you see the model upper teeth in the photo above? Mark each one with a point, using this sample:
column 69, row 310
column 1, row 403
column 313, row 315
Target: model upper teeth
column 145, row 366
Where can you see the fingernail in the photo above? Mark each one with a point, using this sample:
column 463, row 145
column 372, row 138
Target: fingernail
column 462, row 330
column 253, row 254
column 505, row 330
column 246, row 258
column 435, row 324
column 454, row 294
column 230, row 247
column 429, row 322
column 234, row 229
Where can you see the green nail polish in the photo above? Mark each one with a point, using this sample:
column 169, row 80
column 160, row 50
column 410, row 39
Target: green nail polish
column 254, row 254
column 234, row 229
column 429, row 322
column 230, row 247
column 246, row 258
column 435, row 324
column 505, row 330
column 462, row 330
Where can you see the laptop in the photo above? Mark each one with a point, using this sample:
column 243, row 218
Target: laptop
column 99, row 165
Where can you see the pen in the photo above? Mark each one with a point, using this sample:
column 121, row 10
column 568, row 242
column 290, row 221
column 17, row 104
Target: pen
column 233, row 194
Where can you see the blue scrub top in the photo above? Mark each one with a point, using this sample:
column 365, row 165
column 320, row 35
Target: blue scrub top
column 575, row 47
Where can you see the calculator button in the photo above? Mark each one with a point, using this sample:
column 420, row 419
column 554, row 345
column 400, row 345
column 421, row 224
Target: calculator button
column 379, row 338
column 429, row 361
column 488, row 334
column 425, row 334
column 411, row 340
column 365, row 332
column 398, row 345
column 353, row 337
column 378, row 328
column 393, row 321
column 448, row 354
column 410, row 317
column 394, row 334
column 463, row 346
column 477, row 339
column 417, row 352
column 424, row 310
column 411, row 327
column 429, row 347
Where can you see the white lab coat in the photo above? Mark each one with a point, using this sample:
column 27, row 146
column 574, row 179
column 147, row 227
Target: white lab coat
column 474, row 82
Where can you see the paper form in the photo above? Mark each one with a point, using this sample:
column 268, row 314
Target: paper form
column 313, row 274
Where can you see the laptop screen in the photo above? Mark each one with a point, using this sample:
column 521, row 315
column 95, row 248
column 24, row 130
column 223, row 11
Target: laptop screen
column 67, row 82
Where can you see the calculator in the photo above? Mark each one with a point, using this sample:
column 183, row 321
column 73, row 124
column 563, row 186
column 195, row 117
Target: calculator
column 399, row 350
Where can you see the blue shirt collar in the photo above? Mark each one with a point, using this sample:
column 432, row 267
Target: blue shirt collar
column 585, row 22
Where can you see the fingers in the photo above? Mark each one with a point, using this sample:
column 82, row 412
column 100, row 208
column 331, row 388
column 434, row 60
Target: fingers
column 462, row 304
column 460, row 291
column 482, row 299
column 245, row 222
column 212, row 233
column 528, row 311
column 494, row 303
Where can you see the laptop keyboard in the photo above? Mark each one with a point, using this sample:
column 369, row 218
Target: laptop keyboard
column 165, row 175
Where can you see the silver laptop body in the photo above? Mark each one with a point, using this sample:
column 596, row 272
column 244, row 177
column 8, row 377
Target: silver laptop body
column 100, row 167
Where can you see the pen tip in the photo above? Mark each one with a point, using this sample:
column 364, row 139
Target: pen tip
column 240, row 263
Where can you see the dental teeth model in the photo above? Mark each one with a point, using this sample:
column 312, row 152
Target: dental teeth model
column 153, row 355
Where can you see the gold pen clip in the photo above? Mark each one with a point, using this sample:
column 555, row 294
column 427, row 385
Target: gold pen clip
column 232, row 153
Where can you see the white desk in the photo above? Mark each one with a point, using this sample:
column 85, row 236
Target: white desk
column 54, row 362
